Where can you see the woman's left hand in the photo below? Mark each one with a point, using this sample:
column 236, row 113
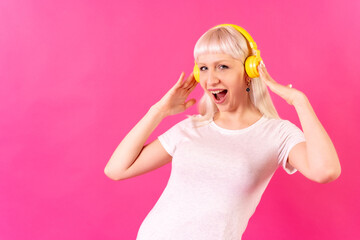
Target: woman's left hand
column 286, row 92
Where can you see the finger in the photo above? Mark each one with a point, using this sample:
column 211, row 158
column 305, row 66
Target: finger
column 188, row 91
column 189, row 80
column 277, row 88
column 271, row 83
column 179, row 82
column 192, row 87
column 190, row 103
column 265, row 74
column 192, row 84
column 266, row 79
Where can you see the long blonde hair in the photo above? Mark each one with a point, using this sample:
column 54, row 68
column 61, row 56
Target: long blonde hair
column 228, row 40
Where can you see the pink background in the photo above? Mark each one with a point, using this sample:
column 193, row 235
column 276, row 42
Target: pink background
column 76, row 76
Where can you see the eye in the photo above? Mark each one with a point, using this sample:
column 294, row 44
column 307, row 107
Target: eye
column 202, row 68
column 223, row 66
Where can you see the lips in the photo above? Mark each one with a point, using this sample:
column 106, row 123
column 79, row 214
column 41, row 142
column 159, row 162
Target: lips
column 219, row 95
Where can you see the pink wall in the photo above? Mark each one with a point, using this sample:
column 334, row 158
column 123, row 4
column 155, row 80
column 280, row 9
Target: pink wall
column 76, row 76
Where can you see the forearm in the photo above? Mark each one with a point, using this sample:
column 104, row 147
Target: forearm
column 321, row 154
column 130, row 147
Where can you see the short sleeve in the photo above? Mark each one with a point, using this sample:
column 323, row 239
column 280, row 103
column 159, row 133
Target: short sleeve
column 171, row 138
column 290, row 135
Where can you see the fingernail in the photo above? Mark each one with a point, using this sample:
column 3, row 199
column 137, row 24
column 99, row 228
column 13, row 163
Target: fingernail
column 262, row 62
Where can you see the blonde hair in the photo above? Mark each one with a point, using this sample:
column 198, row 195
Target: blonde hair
column 228, row 40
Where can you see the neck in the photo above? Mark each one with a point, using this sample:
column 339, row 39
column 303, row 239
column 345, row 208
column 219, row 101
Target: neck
column 242, row 113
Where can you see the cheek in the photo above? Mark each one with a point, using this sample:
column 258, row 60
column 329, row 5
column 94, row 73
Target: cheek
column 202, row 84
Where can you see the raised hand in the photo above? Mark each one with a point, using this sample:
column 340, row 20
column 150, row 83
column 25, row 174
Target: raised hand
column 286, row 92
column 173, row 102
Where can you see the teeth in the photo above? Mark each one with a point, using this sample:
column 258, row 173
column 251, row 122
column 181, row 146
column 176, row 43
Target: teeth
column 216, row 92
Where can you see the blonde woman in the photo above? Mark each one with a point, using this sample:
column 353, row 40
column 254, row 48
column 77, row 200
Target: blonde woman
column 224, row 157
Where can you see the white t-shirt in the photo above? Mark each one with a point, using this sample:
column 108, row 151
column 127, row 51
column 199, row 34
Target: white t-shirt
column 217, row 178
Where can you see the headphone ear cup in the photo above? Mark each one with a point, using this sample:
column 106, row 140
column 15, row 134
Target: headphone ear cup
column 196, row 72
column 251, row 64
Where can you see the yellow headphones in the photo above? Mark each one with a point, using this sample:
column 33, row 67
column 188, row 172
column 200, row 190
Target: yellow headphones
column 251, row 62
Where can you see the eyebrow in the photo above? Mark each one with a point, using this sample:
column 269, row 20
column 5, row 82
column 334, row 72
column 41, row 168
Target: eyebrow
column 222, row 60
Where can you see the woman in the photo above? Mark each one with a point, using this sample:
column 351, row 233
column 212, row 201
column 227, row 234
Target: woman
column 224, row 157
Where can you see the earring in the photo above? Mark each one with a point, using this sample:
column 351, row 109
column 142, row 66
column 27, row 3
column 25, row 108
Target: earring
column 248, row 88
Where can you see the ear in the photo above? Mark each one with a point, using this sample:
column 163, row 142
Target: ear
column 246, row 78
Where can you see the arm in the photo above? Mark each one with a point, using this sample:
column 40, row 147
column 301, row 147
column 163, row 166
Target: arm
column 131, row 157
column 131, row 146
column 316, row 158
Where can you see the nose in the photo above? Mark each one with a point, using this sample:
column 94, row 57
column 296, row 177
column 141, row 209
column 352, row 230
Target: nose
column 211, row 78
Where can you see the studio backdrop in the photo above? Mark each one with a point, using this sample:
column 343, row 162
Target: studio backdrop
column 76, row 76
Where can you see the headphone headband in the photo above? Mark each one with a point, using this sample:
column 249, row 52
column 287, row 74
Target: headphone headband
column 245, row 34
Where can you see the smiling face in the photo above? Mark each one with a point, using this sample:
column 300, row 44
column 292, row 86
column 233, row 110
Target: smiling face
column 222, row 77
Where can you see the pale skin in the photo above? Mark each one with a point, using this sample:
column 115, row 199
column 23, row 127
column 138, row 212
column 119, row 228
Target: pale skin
column 316, row 158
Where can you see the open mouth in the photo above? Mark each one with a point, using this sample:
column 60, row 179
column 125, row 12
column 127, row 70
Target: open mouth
column 219, row 96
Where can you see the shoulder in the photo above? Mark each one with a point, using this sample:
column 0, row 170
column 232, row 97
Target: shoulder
column 279, row 124
column 278, row 129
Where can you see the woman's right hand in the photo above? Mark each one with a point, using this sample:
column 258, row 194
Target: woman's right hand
column 173, row 102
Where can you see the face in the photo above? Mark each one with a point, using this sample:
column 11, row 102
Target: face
column 222, row 78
